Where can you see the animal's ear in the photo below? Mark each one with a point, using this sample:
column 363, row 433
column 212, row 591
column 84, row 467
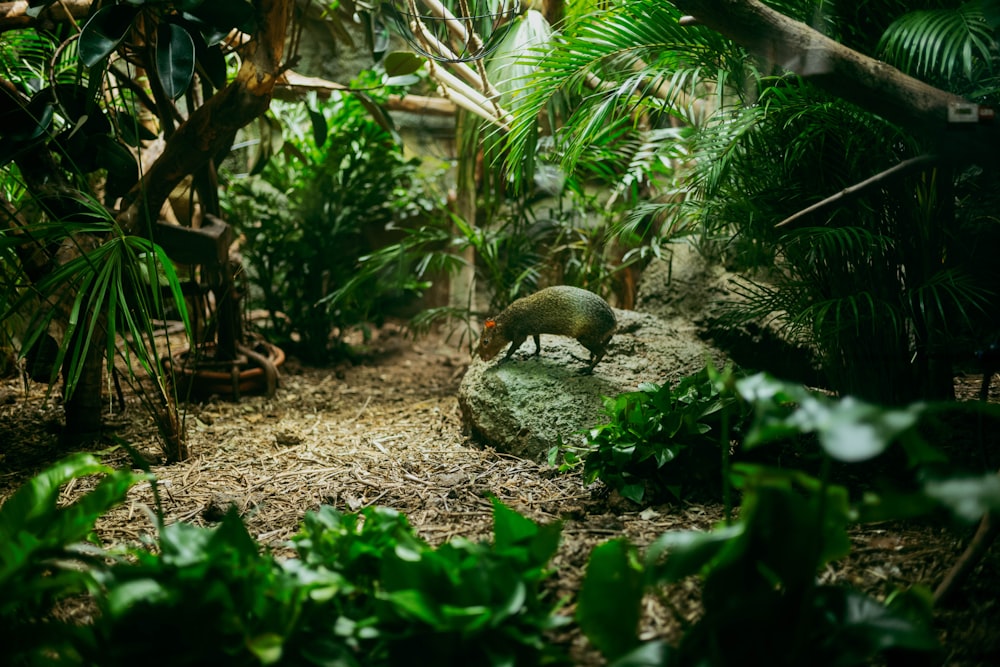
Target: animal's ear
column 490, row 323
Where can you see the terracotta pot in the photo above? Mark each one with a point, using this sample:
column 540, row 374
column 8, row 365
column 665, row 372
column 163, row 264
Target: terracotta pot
column 255, row 372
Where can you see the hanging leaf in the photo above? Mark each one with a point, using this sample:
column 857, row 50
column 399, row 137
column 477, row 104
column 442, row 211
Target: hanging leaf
column 174, row 59
column 401, row 63
column 131, row 131
column 123, row 171
column 35, row 7
column 213, row 65
column 319, row 127
column 104, row 32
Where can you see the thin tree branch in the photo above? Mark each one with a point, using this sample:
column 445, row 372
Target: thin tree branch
column 906, row 166
column 981, row 542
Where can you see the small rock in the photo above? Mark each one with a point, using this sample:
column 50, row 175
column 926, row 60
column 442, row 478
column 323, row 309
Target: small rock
column 287, row 439
column 219, row 505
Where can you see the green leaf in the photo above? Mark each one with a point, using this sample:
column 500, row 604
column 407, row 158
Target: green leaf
column 968, row 498
column 863, row 625
column 213, row 63
column 414, row 604
column 35, row 7
column 649, row 654
column 320, row 129
column 687, row 552
column 401, row 63
column 126, row 595
column 610, row 598
column 510, row 528
column 104, row 32
column 36, row 500
column 121, row 165
column 268, row 647
column 175, row 59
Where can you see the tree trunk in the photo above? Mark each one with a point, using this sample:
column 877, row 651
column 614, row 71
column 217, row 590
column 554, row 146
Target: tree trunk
column 83, row 405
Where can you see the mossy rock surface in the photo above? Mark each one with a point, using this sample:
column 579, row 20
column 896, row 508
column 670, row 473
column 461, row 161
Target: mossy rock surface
column 529, row 404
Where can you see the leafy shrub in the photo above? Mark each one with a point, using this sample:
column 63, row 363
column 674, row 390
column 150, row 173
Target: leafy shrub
column 364, row 589
column 664, row 441
column 315, row 209
column 762, row 603
column 47, row 554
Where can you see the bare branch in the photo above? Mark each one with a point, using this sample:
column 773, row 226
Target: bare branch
column 906, row 166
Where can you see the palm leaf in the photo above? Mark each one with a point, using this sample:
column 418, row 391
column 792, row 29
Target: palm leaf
column 640, row 52
column 940, row 44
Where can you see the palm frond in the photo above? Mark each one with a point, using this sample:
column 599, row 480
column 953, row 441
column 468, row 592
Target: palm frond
column 608, row 63
column 941, row 44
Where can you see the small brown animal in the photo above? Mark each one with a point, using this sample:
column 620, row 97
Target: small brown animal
column 562, row 310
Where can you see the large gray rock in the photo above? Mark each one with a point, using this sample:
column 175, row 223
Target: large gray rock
column 530, row 404
column 688, row 287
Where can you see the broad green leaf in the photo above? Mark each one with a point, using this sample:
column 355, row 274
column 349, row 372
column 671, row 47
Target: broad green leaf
column 175, row 58
column 124, row 596
column 867, row 626
column 968, row 498
column 510, row 528
column 35, row 7
column 213, row 63
column 268, row 647
column 687, row 552
column 649, row 654
column 414, row 604
column 104, row 32
column 610, row 598
column 320, row 129
column 37, row 498
column 121, row 165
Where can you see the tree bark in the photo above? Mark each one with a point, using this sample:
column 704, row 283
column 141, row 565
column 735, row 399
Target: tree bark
column 852, row 76
column 212, row 127
column 13, row 15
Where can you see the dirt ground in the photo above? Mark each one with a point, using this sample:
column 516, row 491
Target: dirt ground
column 387, row 431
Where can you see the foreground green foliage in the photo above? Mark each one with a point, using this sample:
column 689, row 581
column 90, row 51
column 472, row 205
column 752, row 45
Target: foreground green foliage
column 47, row 554
column 363, row 589
column 762, row 602
column 665, row 442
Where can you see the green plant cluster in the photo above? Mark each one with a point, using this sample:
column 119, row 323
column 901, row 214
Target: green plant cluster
column 762, row 601
column 324, row 200
column 665, row 442
column 363, row 589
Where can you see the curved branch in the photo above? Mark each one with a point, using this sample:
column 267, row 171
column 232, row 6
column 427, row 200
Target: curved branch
column 14, row 16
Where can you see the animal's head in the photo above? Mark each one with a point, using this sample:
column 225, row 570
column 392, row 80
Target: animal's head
column 490, row 340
